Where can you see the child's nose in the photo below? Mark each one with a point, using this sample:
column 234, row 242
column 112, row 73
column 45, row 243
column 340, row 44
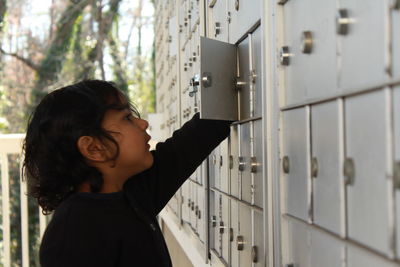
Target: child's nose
column 144, row 124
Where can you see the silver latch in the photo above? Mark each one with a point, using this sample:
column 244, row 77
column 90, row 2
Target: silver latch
column 307, row 42
column 217, row 29
column 194, row 84
column 342, row 22
column 239, row 242
column 284, row 56
column 242, row 163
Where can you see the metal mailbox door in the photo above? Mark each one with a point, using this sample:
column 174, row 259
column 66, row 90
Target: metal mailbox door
column 234, row 161
column 395, row 41
column 244, row 240
column 216, row 81
column 363, row 32
column 326, row 165
column 224, row 164
column 366, row 169
column 357, row 256
column 234, row 232
column 311, row 38
column 214, row 208
column 396, row 163
column 244, row 79
column 186, row 201
column 224, row 228
column 217, row 20
column 326, row 250
column 243, row 16
column 199, row 212
column 296, row 161
column 257, row 250
column 256, row 70
column 298, row 244
column 257, row 164
column 193, row 218
column 244, row 161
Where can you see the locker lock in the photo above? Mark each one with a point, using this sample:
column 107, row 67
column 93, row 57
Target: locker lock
column 342, row 22
column 307, row 42
column 230, row 234
column 239, row 242
column 217, row 29
column 221, row 162
column 254, row 164
column 196, row 210
column 242, row 164
column 396, row 174
column 285, row 164
column 284, row 56
column 221, row 227
column 349, row 171
column 194, row 84
column 254, row 254
column 239, row 84
column 314, row 167
column 199, row 214
column 214, row 221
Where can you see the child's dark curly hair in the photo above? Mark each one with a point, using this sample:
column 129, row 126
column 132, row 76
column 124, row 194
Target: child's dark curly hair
column 53, row 165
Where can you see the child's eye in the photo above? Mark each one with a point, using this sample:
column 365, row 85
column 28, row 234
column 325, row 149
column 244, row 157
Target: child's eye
column 128, row 117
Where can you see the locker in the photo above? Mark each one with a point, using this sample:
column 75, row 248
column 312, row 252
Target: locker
column 366, row 169
column 212, row 169
column 199, row 213
column 183, row 23
column 173, row 36
column 326, row 250
column 396, row 42
column 214, row 207
column 358, row 257
column 298, row 244
column 224, row 228
column 364, row 23
column 326, row 165
column 244, row 79
column 224, row 166
column 396, row 173
column 217, row 167
column 186, row 201
column 311, row 40
column 244, row 161
column 193, row 218
column 217, row 20
column 257, row 252
column 194, row 12
column 234, row 161
column 256, row 161
column 244, row 240
column 243, row 15
column 295, row 162
column 234, row 232
column 256, row 55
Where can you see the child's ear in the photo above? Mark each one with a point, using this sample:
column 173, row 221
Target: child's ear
column 92, row 149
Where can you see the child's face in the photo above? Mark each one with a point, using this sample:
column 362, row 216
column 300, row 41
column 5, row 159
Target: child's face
column 134, row 155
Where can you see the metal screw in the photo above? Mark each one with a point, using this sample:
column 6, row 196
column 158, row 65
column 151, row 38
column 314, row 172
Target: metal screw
column 342, row 22
column 307, row 42
column 349, row 171
column 285, row 164
column 284, row 56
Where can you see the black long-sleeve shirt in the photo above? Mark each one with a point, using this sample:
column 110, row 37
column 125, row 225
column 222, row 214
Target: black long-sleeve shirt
column 120, row 229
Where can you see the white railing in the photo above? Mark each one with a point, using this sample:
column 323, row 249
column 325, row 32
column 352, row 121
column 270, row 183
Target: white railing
column 12, row 144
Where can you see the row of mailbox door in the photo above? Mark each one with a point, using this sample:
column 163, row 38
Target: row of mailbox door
column 236, row 229
column 340, row 46
column 308, row 246
column 341, row 167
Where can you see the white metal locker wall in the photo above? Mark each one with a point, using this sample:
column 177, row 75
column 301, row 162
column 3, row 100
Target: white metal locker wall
column 310, row 174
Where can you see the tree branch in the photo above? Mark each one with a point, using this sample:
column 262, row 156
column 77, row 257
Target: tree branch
column 26, row 61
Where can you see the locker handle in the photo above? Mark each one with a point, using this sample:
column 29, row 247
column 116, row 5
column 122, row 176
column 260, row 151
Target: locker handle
column 221, row 227
column 214, row 221
column 307, row 42
column 349, row 171
column 314, row 167
column 254, row 164
column 342, row 22
column 242, row 164
column 286, row 164
column 237, row 5
column 254, row 254
column 396, row 4
column 284, row 56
